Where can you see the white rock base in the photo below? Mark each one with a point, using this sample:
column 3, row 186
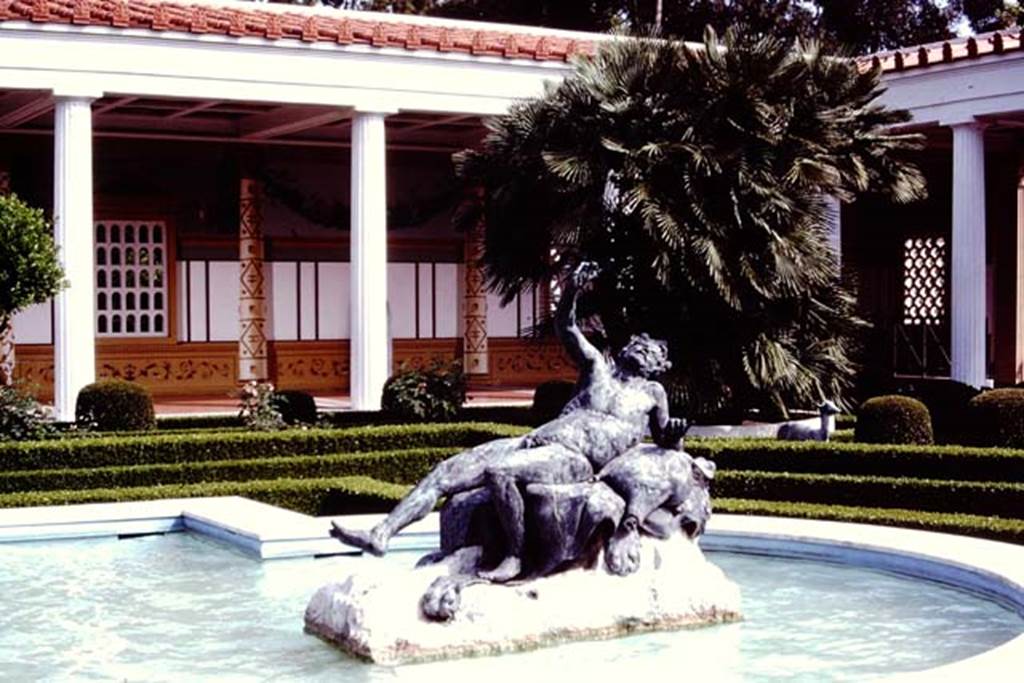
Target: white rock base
column 374, row 615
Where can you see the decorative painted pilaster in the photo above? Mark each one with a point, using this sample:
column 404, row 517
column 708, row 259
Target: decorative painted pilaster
column 968, row 255
column 74, row 334
column 369, row 345
column 252, row 300
column 7, row 346
column 474, row 351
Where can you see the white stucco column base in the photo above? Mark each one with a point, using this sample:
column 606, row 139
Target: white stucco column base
column 968, row 309
column 370, row 346
column 74, row 340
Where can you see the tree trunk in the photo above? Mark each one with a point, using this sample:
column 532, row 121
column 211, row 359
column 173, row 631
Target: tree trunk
column 6, row 351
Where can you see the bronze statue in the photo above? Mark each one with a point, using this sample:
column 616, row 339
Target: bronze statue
column 616, row 402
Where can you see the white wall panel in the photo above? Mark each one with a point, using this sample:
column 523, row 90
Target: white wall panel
column 34, row 325
column 307, row 299
column 402, row 300
column 447, row 300
column 526, row 310
column 197, row 307
column 224, row 290
column 284, row 320
column 334, row 301
column 182, row 301
column 426, row 303
column 501, row 321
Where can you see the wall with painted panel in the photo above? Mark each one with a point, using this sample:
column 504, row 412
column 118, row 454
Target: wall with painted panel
column 309, row 301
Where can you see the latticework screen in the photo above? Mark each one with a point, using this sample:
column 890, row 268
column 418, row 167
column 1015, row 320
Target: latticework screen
column 924, row 281
column 131, row 279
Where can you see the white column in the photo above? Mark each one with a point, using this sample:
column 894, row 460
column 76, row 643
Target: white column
column 74, row 333
column 968, row 272
column 369, row 257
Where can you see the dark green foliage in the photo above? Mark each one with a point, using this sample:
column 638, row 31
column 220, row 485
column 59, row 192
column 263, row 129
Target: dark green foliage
column 893, row 419
column 946, row 401
column 29, row 270
column 929, row 462
column 717, row 241
column 997, row 417
column 200, row 447
column 113, row 405
column 1011, row 530
column 198, row 422
column 296, row 407
column 21, row 416
column 435, row 393
column 550, row 398
column 406, row 466
column 979, row 497
column 319, row 497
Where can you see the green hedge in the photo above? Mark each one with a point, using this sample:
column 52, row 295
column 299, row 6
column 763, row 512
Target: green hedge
column 332, row 496
column 201, row 447
column 930, row 462
column 986, row 498
column 402, row 467
column 953, row 523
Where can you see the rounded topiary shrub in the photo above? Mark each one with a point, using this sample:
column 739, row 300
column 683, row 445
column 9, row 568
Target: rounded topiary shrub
column 893, row 419
column 296, row 407
column 113, row 405
column 997, row 418
column 420, row 394
column 549, row 398
column 947, row 402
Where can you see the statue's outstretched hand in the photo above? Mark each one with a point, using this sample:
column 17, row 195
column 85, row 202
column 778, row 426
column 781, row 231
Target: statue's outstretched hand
column 672, row 433
column 585, row 273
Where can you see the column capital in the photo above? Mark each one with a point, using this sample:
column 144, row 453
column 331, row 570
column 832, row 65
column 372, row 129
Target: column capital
column 374, row 108
column 76, row 94
column 967, row 124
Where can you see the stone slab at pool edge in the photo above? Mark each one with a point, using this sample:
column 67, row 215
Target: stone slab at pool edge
column 980, row 566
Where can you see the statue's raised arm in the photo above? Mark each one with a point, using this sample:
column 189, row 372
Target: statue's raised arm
column 583, row 353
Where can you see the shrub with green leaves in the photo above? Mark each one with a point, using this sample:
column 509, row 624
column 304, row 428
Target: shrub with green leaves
column 260, row 408
column 114, row 405
column 946, row 401
column 296, row 407
column 29, row 270
column 997, row 418
column 434, row 393
column 21, row 416
column 893, row 419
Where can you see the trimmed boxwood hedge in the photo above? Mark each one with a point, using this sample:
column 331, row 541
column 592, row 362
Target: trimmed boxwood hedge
column 401, row 467
column 331, row 496
column 893, row 419
column 996, row 528
column 981, row 497
column 997, row 418
column 931, row 462
column 198, row 447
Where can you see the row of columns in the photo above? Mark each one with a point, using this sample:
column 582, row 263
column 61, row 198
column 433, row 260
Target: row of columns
column 74, row 336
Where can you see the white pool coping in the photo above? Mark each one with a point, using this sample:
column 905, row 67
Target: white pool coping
column 984, row 567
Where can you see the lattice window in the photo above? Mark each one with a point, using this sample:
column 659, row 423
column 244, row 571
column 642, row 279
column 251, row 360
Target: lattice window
column 131, row 279
column 924, row 281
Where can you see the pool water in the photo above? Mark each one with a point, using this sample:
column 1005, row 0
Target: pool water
column 183, row 607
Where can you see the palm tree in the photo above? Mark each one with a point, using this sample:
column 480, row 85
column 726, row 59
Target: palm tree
column 696, row 176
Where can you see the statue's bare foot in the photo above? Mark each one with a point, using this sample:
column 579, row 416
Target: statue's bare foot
column 622, row 554
column 373, row 541
column 509, row 569
column 442, row 599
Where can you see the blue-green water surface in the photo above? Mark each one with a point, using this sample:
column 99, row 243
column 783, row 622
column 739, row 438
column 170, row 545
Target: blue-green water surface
column 184, row 608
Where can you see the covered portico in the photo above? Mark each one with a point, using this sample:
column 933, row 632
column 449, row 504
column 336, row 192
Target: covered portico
column 945, row 277
column 365, row 87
